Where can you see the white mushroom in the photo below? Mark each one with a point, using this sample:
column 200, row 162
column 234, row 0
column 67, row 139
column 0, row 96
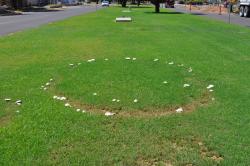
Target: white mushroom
column 171, row 63
column 134, row 59
column 190, row 70
column 106, row 59
column 54, row 97
column 91, row 60
column 7, row 99
column 94, row 94
column 109, row 113
column 127, row 58
column 61, row 98
column 78, row 110
column 135, row 100
column 165, row 82
column 71, row 64
column 186, row 85
column 210, row 86
column 179, row 110
column 67, row 105
column 47, row 84
column 17, row 111
column 51, row 80
column 117, row 101
column 19, row 102
column 156, row 60
column 113, row 100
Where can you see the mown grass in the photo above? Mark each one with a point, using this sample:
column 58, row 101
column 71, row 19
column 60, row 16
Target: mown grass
column 47, row 133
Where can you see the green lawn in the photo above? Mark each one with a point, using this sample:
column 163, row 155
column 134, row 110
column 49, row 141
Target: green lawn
column 147, row 132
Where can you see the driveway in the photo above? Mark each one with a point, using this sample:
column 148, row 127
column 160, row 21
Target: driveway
column 10, row 24
column 234, row 19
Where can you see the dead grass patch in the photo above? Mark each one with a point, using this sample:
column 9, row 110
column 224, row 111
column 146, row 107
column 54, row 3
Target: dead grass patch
column 62, row 152
column 204, row 100
column 151, row 162
column 206, row 152
column 5, row 120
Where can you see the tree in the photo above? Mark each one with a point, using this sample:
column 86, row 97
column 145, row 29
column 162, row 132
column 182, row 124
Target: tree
column 157, row 4
column 124, row 3
column 138, row 2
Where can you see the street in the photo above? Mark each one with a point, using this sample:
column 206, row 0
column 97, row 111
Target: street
column 10, row 24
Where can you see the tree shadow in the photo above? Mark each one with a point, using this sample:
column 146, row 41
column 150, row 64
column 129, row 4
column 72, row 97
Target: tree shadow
column 198, row 14
column 10, row 14
column 164, row 13
column 5, row 12
column 39, row 9
column 142, row 7
column 133, row 6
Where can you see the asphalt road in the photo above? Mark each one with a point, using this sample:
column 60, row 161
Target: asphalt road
column 10, row 24
column 234, row 19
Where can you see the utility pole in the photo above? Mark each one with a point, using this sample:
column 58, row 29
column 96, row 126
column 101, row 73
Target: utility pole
column 229, row 12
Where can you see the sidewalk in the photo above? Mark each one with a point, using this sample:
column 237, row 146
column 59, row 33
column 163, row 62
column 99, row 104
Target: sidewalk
column 234, row 19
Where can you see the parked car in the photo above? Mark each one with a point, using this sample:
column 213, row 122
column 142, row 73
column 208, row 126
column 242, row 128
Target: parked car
column 244, row 8
column 105, row 3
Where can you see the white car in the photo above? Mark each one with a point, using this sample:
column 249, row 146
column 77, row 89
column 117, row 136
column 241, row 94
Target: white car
column 105, row 3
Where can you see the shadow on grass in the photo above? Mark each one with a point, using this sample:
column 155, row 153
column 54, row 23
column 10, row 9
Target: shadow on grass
column 198, row 14
column 133, row 7
column 39, row 9
column 142, row 7
column 164, row 13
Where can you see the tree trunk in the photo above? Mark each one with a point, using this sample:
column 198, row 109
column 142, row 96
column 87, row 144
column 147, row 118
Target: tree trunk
column 138, row 2
column 157, row 7
column 124, row 2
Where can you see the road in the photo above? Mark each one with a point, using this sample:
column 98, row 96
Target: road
column 234, row 19
column 10, row 24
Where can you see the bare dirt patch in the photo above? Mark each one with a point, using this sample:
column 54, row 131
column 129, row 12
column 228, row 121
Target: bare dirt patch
column 63, row 151
column 5, row 120
column 206, row 8
column 206, row 152
column 151, row 162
